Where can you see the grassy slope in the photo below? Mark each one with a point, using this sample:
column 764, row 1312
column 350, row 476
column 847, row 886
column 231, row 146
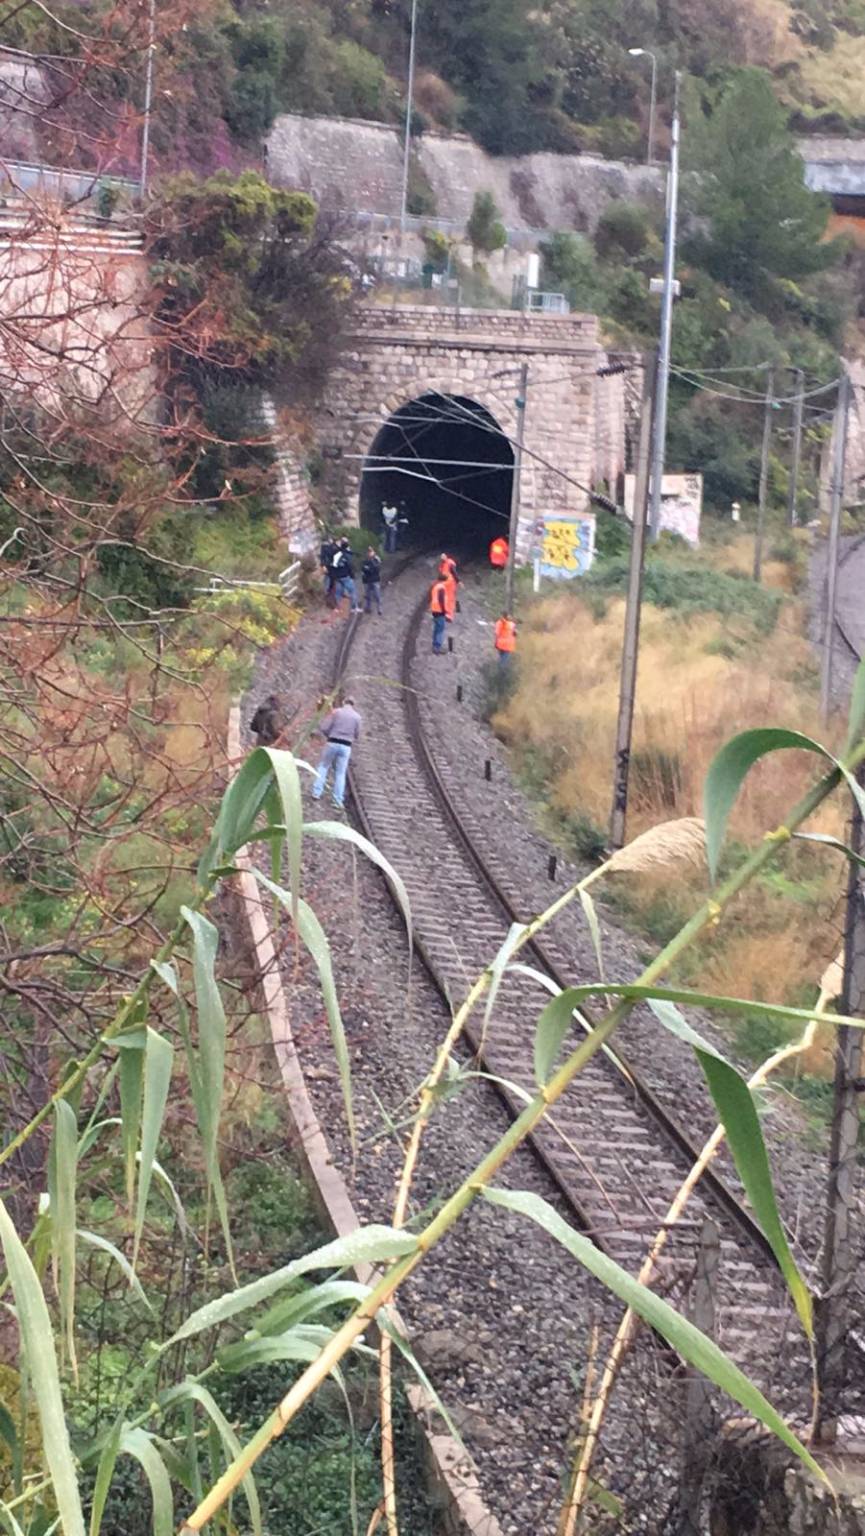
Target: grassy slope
column 704, row 675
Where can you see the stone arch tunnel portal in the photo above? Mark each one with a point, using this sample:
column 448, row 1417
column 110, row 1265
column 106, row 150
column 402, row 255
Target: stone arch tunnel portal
column 445, row 459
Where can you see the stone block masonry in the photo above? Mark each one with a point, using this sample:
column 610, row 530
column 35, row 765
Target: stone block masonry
column 575, row 421
column 357, row 166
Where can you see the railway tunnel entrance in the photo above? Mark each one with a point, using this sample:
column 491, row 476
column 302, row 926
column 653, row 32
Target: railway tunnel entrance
column 446, row 462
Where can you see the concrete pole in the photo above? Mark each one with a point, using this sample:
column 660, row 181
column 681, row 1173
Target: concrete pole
column 798, row 408
column 406, row 158
column 841, row 1242
column 839, row 452
column 650, row 153
column 764, row 473
column 631, row 640
column 148, row 100
column 515, row 486
column 660, row 444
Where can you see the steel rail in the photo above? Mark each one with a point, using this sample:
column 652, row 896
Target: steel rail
column 711, row 1183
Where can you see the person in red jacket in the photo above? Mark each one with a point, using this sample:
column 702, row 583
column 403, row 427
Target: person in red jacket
column 438, row 607
column 506, row 639
column 499, row 551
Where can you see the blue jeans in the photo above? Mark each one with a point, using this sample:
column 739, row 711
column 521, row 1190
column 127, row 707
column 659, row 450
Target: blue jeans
column 373, row 595
column 439, row 622
column 390, row 533
column 505, row 660
column 335, row 755
column 345, row 587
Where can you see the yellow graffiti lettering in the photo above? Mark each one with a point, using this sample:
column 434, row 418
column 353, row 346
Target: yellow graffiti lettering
column 561, row 546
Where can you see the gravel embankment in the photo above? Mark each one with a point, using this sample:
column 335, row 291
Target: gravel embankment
column 505, row 1315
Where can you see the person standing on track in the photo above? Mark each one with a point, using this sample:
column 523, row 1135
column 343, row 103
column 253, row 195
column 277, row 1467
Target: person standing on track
column 326, row 555
column 448, row 574
column 342, row 730
column 390, row 518
column 499, row 552
column 439, row 607
column 506, row 640
column 370, row 575
column 343, row 570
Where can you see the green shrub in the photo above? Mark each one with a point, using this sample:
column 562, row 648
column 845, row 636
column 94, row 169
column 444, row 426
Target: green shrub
column 691, row 588
column 484, row 230
column 570, row 264
column 612, row 535
column 623, row 230
column 358, row 82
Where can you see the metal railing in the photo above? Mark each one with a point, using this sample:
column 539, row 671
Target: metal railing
column 383, row 223
column 286, row 583
column 68, row 186
column 539, row 303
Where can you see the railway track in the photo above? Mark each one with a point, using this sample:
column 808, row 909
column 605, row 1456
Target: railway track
column 847, row 641
column 615, row 1153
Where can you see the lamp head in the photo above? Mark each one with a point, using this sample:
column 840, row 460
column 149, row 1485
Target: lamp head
column 636, row 52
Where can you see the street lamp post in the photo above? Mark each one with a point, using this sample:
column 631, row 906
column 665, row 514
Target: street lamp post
column 669, row 290
column 646, row 53
column 148, row 99
column 408, row 111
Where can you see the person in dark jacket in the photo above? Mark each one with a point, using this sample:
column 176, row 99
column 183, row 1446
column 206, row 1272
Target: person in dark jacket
column 343, row 570
column 370, row 575
column 267, row 723
column 326, row 555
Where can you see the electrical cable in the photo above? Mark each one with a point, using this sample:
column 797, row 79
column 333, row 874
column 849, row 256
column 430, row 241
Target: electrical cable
column 754, row 397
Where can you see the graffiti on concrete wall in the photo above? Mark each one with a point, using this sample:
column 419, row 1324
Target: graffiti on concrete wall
column 681, row 505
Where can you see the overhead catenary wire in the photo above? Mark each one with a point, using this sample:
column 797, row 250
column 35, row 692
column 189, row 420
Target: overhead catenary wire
column 755, row 397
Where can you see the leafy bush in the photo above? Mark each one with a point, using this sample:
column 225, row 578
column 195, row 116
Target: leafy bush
column 484, row 229
column 570, row 265
column 691, row 588
column 358, row 82
column 623, row 230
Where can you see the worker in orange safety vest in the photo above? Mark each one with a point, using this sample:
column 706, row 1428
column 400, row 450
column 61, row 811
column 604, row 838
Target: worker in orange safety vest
column 448, row 574
column 438, row 607
column 499, row 551
column 506, row 639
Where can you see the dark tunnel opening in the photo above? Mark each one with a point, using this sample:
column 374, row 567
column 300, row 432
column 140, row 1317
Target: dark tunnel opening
column 444, row 460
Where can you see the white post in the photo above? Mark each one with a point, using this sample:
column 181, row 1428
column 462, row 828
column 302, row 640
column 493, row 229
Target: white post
column 408, row 111
column 659, row 447
column 148, row 100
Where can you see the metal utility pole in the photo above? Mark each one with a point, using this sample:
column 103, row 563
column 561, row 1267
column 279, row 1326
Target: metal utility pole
column 646, row 53
column 408, row 111
column 148, row 99
column 839, row 454
column 764, row 473
column 631, row 641
column 798, row 408
column 515, row 486
column 840, row 1244
column 660, row 443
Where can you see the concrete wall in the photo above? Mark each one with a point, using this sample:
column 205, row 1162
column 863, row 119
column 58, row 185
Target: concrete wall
column 358, row 166
column 76, row 338
column 574, row 420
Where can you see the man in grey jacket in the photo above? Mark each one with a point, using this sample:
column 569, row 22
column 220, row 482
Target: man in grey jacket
column 342, row 729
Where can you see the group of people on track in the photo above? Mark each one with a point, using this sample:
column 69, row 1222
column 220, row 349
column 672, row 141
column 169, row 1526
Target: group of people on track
column 341, row 728
column 336, row 558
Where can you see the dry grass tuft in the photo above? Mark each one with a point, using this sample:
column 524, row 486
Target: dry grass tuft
column 671, row 845
column 702, row 679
